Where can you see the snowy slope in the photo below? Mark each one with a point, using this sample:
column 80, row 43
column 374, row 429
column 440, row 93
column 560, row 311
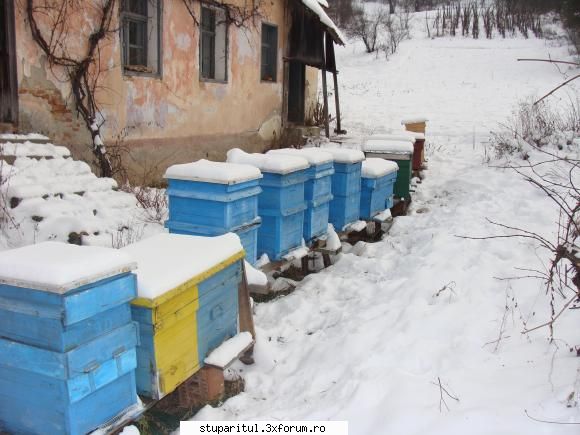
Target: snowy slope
column 369, row 339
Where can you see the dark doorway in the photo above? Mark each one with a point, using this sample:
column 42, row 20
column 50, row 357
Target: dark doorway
column 8, row 84
column 296, row 89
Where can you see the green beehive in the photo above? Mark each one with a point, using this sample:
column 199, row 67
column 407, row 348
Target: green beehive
column 400, row 152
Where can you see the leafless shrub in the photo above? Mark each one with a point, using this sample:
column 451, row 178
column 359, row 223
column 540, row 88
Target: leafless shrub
column 127, row 235
column 366, row 26
column 397, row 30
column 529, row 132
column 535, row 126
column 153, row 201
column 315, row 116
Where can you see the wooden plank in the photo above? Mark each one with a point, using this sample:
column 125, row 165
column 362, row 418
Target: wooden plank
column 245, row 314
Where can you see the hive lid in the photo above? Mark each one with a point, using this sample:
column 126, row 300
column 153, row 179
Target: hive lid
column 167, row 261
column 374, row 167
column 345, row 155
column 276, row 164
column 213, row 172
column 315, row 156
column 390, row 146
column 414, row 120
column 59, row 267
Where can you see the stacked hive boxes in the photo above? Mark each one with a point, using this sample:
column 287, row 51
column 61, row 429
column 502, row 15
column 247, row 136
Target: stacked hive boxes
column 346, row 186
column 281, row 204
column 378, row 180
column 187, row 305
column 212, row 198
column 416, row 126
column 67, row 353
column 317, row 190
column 399, row 151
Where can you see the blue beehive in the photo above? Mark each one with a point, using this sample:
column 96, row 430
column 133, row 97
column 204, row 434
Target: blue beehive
column 346, row 187
column 317, row 189
column 67, row 353
column 378, row 180
column 281, row 204
column 213, row 198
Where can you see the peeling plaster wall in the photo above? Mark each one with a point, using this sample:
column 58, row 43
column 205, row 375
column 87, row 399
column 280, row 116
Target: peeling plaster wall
column 172, row 118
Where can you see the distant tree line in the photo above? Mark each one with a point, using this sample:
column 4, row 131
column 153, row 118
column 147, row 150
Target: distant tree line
column 347, row 12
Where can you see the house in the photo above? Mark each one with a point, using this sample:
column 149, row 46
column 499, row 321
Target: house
column 171, row 80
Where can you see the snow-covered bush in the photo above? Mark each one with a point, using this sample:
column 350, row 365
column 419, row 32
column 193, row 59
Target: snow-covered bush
column 547, row 137
column 534, row 126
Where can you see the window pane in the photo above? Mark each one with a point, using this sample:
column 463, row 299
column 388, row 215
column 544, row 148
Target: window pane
column 213, row 44
column 137, row 56
column 208, row 19
column 141, row 35
column 135, row 6
column 208, row 55
column 269, row 52
column 137, row 33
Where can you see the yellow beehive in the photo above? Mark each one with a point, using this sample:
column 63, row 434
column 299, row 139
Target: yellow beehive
column 178, row 328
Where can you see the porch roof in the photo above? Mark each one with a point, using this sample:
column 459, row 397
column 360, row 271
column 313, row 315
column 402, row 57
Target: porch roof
column 315, row 6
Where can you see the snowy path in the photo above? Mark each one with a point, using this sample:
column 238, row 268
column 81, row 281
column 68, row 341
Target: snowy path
column 366, row 340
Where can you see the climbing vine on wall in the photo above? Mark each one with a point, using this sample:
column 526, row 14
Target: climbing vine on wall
column 72, row 44
column 247, row 15
column 76, row 61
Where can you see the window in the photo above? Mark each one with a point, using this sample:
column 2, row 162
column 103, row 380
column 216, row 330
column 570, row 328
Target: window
column 141, row 36
column 213, row 44
column 269, row 52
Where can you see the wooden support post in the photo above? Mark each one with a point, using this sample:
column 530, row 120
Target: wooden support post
column 245, row 313
column 324, row 87
column 305, row 265
column 325, row 96
column 337, row 103
column 326, row 260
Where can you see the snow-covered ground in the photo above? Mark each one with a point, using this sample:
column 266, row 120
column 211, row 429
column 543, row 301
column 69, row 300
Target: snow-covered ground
column 370, row 339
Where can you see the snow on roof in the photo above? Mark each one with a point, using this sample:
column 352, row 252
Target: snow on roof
column 277, row 164
column 414, row 120
column 29, row 149
column 21, row 137
column 376, row 168
column 51, row 197
column 169, row 260
column 315, row 6
column 345, row 155
column 59, row 267
column 315, row 156
column 213, row 172
column 391, row 146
